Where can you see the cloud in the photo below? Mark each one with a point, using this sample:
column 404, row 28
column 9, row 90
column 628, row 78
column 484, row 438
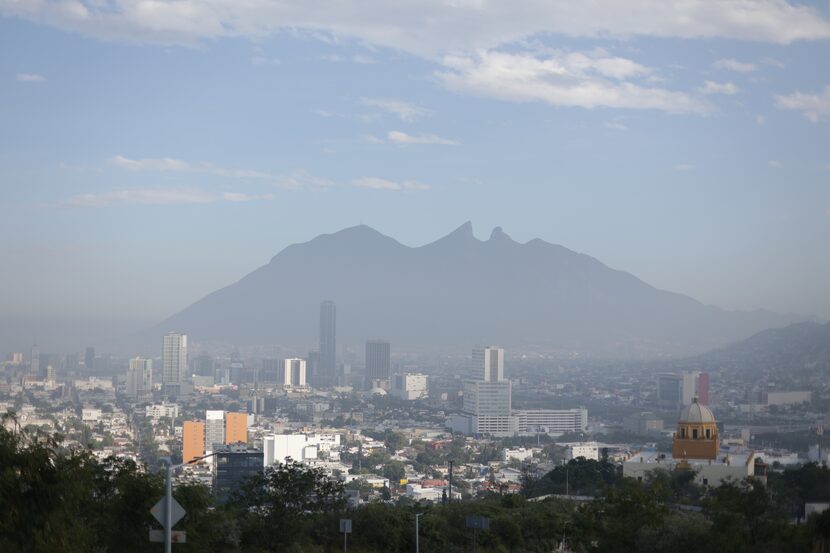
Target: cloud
column 404, row 110
column 398, row 137
column 376, row 183
column 735, row 65
column 684, row 167
column 426, row 27
column 711, row 87
column 775, row 164
column 615, row 125
column 30, row 78
column 263, row 60
column 774, row 62
column 593, row 80
column 760, row 119
column 814, row 107
column 171, row 165
column 159, row 196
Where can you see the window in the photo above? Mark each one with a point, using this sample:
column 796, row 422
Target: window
column 708, row 433
column 694, row 433
column 682, row 432
column 705, row 481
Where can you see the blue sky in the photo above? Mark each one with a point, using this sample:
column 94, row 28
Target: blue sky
column 151, row 152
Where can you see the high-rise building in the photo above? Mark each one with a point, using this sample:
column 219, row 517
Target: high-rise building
column 312, row 362
column 488, row 364
column 487, row 402
column 676, row 390
column 214, row 429
column 174, row 362
column 193, row 440
column 139, row 377
column 703, row 388
column 292, row 373
column 324, row 373
column 378, row 364
column 236, row 428
column 35, row 365
column 89, row 359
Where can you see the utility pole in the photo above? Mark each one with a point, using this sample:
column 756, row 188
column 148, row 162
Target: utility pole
column 449, row 495
column 417, row 542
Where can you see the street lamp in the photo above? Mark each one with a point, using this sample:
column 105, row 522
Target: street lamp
column 417, row 543
column 168, row 497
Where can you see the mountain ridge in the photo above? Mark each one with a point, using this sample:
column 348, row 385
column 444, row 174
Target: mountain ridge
column 460, row 290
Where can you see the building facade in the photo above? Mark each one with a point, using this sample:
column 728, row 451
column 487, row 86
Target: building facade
column 214, row 429
column 174, row 362
column 378, row 364
column 193, row 440
column 236, row 428
column 324, row 371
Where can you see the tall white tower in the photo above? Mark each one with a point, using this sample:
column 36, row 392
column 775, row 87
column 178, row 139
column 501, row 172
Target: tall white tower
column 174, row 358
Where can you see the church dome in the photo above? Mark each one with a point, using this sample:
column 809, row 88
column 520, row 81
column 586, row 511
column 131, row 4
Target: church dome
column 696, row 413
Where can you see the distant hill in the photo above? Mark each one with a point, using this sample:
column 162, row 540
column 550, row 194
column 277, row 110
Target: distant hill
column 796, row 349
column 457, row 292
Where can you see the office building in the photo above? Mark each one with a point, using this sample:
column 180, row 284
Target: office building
column 236, row 428
column 139, row 382
column 163, row 410
column 34, row 369
column 89, row 359
column 677, row 390
column 488, row 364
column 270, row 370
column 233, row 466
column 292, row 373
column 174, row 363
column 378, row 364
column 324, row 371
column 643, row 424
column 552, row 421
column 193, row 440
column 410, row 386
column 214, row 429
column 280, row 448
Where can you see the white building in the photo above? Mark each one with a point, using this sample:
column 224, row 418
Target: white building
column 90, row 415
column 552, row 421
column 93, row 383
column 292, row 373
column 174, row 361
column 488, row 364
column 586, row 450
column 139, row 380
column 519, row 454
column 707, row 472
column 410, row 386
column 277, row 448
column 161, row 411
column 214, row 429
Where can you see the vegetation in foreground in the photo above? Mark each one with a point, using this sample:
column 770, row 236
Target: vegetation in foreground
column 56, row 500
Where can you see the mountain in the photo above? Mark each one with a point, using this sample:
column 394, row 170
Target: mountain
column 457, row 292
column 801, row 348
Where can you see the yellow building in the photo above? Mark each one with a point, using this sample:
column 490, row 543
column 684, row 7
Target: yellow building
column 697, row 434
column 193, row 440
column 236, row 428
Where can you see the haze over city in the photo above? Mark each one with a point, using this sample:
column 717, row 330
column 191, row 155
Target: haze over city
column 451, row 275
column 153, row 163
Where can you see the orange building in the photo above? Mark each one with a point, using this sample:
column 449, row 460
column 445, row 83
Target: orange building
column 236, row 428
column 193, row 440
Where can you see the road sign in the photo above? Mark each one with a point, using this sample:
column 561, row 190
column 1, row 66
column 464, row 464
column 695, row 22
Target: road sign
column 345, row 526
column 176, row 536
column 478, row 523
column 177, row 512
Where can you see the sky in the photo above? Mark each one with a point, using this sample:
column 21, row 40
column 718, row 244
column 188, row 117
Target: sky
column 153, row 151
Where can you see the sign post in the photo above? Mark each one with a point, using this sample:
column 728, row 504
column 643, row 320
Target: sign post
column 345, row 529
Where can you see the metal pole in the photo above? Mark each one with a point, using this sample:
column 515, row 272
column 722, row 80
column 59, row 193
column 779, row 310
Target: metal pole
column 345, row 542
column 168, row 509
column 417, row 544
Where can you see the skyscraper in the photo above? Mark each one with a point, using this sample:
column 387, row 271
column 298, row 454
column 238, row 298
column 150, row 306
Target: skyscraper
column 174, row 362
column 35, row 368
column 89, row 359
column 324, row 374
column 378, row 363
column 488, row 364
column 139, row 377
column 292, row 373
